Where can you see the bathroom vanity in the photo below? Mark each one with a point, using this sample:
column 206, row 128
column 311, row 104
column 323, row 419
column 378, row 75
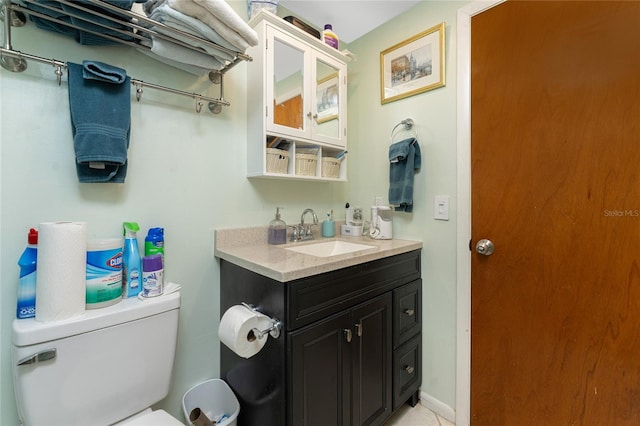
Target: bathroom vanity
column 349, row 352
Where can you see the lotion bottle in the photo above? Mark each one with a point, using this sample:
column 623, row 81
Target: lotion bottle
column 132, row 273
column 277, row 233
column 330, row 37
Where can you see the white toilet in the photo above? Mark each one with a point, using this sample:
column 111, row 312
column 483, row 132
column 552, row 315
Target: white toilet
column 103, row 367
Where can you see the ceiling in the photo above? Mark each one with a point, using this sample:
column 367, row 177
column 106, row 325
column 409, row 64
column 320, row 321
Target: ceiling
column 351, row 19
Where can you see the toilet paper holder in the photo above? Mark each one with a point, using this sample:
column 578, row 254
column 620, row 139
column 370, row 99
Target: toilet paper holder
column 273, row 331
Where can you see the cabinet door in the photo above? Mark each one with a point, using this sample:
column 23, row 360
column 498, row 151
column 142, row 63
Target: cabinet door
column 372, row 361
column 407, row 371
column 329, row 100
column 288, row 84
column 321, row 373
column 407, row 312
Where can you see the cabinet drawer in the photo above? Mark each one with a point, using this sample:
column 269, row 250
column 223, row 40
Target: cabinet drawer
column 317, row 297
column 407, row 314
column 407, row 374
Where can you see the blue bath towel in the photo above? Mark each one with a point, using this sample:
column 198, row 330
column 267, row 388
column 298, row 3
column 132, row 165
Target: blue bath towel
column 100, row 106
column 405, row 159
column 84, row 20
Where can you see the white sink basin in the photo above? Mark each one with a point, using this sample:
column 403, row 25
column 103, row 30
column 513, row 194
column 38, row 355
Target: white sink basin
column 330, row 248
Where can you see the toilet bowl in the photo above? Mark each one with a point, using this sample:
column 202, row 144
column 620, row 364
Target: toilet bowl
column 98, row 368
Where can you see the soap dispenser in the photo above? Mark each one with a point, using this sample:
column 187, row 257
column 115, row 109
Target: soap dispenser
column 277, row 233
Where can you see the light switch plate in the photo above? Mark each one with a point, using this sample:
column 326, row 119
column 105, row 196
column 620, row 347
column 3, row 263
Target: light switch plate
column 441, row 207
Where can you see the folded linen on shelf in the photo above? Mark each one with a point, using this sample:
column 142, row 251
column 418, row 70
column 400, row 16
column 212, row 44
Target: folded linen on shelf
column 404, row 159
column 100, row 108
column 177, row 53
column 150, row 5
column 191, row 69
column 83, row 20
column 178, row 20
column 222, row 18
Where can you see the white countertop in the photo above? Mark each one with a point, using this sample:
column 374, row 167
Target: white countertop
column 248, row 248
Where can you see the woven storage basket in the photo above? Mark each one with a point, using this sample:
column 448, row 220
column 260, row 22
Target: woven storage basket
column 277, row 160
column 330, row 167
column 306, row 164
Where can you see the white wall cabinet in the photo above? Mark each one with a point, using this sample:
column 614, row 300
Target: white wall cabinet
column 297, row 103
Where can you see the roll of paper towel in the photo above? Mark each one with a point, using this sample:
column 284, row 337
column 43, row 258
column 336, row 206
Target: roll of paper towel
column 236, row 330
column 62, row 270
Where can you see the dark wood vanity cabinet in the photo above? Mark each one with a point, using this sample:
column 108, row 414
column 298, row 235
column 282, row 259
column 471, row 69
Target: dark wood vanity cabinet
column 349, row 352
column 341, row 367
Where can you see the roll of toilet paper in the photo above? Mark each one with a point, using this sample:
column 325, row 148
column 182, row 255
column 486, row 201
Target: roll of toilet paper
column 236, row 330
column 61, row 274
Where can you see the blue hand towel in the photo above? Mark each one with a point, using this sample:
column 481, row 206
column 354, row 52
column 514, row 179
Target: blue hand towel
column 100, row 106
column 405, row 159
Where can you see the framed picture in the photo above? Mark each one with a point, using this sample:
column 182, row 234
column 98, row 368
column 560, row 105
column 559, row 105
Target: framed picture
column 327, row 98
column 413, row 66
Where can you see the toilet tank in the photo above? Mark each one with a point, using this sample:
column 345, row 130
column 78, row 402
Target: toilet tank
column 97, row 368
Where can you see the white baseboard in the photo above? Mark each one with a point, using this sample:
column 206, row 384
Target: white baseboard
column 438, row 407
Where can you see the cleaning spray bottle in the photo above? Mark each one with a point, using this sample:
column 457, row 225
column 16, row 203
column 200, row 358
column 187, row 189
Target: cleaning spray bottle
column 154, row 242
column 132, row 273
column 26, row 307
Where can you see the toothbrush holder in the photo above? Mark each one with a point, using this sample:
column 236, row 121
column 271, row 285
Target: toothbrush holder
column 328, row 228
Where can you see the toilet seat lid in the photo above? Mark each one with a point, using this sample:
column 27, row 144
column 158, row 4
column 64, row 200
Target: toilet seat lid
column 155, row 418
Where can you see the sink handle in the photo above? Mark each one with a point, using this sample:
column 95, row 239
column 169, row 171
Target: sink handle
column 294, row 234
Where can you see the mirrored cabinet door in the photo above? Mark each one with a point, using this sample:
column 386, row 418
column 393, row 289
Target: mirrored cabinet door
column 287, row 92
column 329, row 115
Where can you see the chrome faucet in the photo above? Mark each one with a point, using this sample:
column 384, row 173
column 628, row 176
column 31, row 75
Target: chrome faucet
column 302, row 233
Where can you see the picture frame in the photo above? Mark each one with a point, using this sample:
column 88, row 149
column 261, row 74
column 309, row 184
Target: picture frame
column 327, row 98
column 413, row 66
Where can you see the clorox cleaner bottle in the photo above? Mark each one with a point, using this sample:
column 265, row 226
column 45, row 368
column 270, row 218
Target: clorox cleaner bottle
column 132, row 262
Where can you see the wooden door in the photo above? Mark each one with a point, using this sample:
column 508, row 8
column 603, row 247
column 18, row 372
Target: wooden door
column 555, row 132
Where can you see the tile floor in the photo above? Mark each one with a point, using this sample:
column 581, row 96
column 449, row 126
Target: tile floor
column 417, row 416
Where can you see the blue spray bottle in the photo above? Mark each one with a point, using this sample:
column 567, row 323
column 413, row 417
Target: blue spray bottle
column 132, row 262
column 26, row 306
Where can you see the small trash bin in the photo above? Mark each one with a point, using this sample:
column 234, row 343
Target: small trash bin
column 215, row 398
